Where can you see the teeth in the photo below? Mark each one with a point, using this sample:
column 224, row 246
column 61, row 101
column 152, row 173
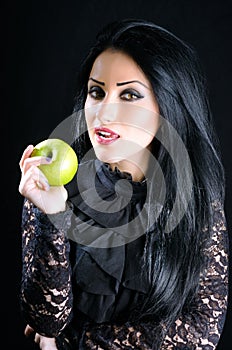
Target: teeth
column 104, row 133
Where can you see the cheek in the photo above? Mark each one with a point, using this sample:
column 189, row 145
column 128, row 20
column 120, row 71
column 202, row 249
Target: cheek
column 89, row 116
column 87, row 102
column 90, row 126
column 147, row 126
column 144, row 131
column 153, row 125
column 88, row 109
column 142, row 138
column 91, row 111
column 141, row 118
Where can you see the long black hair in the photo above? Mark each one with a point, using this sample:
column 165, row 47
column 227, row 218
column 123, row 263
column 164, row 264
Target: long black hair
column 173, row 260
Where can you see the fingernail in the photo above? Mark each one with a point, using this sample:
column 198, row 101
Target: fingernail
column 48, row 159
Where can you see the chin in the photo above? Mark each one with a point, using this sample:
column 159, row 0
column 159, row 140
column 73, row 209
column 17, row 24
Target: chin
column 116, row 153
column 107, row 158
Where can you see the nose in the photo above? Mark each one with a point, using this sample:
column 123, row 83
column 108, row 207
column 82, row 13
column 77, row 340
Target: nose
column 108, row 112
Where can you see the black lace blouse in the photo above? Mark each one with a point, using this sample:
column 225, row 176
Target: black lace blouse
column 82, row 278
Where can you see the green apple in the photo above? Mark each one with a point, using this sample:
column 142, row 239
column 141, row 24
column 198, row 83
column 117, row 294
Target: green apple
column 64, row 162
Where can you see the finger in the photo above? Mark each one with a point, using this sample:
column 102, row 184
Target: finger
column 40, row 179
column 34, row 178
column 34, row 161
column 28, row 330
column 27, row 152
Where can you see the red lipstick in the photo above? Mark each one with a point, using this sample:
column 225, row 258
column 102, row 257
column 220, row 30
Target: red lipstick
column 105, row 136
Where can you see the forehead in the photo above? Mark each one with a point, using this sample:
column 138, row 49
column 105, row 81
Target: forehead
column 116, row 65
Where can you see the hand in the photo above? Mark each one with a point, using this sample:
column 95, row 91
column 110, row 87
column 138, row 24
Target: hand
column 44, row 343
column 35, row 187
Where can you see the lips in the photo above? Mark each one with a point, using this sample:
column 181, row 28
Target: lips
column 105, row 136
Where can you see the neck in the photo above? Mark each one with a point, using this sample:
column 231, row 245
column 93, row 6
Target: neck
column 137, row 166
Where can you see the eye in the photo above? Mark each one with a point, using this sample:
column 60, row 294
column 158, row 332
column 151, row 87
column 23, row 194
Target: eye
column 96, row 93
column 130, row 95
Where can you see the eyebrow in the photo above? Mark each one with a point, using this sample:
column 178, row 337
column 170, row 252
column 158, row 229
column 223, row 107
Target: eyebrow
column 97, row 81
column 120, row 84
column 132, row 81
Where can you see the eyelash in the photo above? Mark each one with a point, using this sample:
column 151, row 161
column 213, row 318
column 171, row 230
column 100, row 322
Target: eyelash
column 98, row 93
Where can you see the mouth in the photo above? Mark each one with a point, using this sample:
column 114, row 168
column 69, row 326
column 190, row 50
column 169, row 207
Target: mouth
column 105, row 136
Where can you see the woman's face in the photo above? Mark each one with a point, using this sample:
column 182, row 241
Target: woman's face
column 122, row 114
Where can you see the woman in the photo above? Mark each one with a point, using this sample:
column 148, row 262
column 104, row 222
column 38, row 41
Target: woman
column 133, row 252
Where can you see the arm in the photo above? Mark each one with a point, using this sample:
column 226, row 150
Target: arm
column 46, row 294
column 199, row 329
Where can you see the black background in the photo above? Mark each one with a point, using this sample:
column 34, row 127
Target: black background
column 42, row 46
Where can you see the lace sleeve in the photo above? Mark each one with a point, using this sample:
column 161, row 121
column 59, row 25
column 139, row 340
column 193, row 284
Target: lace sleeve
column 200, row 328
column 46, row 294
